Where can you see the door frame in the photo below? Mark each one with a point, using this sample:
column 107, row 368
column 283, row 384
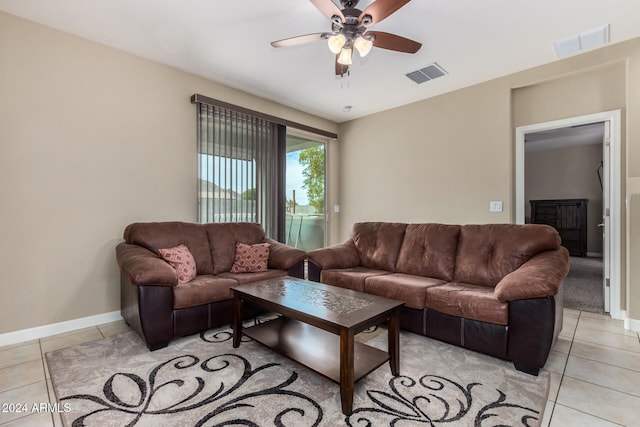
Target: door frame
column 615, row 166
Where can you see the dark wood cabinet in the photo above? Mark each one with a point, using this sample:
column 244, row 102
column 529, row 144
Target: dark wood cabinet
column 569, row 217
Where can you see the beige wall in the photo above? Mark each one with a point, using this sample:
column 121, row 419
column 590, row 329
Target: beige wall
column 443, row 159
column 583, row 91
column 567, row 173
column 440, row 160
column 91, row 139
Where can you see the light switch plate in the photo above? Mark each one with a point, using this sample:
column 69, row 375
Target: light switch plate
column 495, row 206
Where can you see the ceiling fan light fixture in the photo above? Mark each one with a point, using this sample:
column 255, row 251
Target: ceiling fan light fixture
column 345, row 56
column 363, row 45
column 336, row 42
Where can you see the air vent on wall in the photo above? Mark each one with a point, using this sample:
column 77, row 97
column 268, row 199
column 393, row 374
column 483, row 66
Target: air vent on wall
column 427, row 73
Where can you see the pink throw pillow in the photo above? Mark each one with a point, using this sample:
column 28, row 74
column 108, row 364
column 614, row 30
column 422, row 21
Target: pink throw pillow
column 251, row 258
column 182, row 261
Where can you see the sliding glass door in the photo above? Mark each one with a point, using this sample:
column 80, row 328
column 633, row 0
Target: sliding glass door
column 305, row 208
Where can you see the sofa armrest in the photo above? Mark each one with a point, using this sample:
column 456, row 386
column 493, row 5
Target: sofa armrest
column 539, row 277
column 342, row 255
column 283, row 257
column 143, row 267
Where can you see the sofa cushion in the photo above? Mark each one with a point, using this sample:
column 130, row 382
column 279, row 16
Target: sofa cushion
column 468, row 301
column 182, row 261
column 378, row 243
column 202, row 290
column 250, row 258
column 404, row 287
column 429, row 250
column 243, row 278
column 349, row 278
column 487, row 253
column 157, row 235
column 223, row 238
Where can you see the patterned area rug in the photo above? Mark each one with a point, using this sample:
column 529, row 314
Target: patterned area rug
column 202, row 380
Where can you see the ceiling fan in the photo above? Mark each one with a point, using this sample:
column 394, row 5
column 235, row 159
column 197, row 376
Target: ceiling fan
column 350, row 29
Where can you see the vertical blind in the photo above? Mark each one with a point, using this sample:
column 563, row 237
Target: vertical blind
column 238, row 168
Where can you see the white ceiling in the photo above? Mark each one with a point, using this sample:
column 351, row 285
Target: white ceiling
column 571, row 136
column 229, row 42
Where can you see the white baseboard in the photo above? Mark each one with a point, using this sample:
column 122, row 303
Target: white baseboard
column 58, row 328
column 632, row 324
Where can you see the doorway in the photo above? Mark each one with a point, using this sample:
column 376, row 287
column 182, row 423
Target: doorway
column 611, row 188
column 564, row 188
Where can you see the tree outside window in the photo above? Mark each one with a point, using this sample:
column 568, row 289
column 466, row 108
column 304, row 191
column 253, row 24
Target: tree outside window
column 313, row 161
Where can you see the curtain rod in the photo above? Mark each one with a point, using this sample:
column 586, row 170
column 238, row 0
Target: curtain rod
column 197, row 98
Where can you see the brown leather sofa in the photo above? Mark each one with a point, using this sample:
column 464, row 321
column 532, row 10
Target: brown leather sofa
column 158, row 308
column 492, row 288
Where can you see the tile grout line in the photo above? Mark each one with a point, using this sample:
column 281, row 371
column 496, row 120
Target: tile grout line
column 637, row 353
column 590, row 415
column 46, row 381
column 23, row 385
column 564, row 369
column 601, row 386
column 605, row 363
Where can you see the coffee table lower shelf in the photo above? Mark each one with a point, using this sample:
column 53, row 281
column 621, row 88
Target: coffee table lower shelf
column 313, row 347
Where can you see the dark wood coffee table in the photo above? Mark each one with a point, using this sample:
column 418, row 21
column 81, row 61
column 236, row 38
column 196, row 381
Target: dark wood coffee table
column 318, row 326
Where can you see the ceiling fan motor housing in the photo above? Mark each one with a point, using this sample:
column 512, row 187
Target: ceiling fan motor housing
column 352, row 25
column 349, row 4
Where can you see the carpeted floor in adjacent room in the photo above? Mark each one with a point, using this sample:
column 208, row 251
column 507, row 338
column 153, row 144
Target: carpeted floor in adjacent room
column 583, row 285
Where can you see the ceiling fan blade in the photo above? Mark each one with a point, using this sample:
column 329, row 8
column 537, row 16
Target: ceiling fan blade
column 393, row 42
column 328, row 8
column 341, row 69
column 380, row 9
column 292, row 41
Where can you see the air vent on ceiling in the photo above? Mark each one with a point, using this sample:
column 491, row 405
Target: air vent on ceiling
column 427, row 73
column 587, row 40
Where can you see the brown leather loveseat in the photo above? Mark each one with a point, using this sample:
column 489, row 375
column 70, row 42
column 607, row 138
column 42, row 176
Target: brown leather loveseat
column 492, row 288
column 158, row 307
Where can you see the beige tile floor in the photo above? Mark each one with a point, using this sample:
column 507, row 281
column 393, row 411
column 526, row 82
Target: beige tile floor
column 594, row 366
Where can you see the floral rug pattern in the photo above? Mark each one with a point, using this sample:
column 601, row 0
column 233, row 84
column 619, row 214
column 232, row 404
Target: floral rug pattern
column 202, row 380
